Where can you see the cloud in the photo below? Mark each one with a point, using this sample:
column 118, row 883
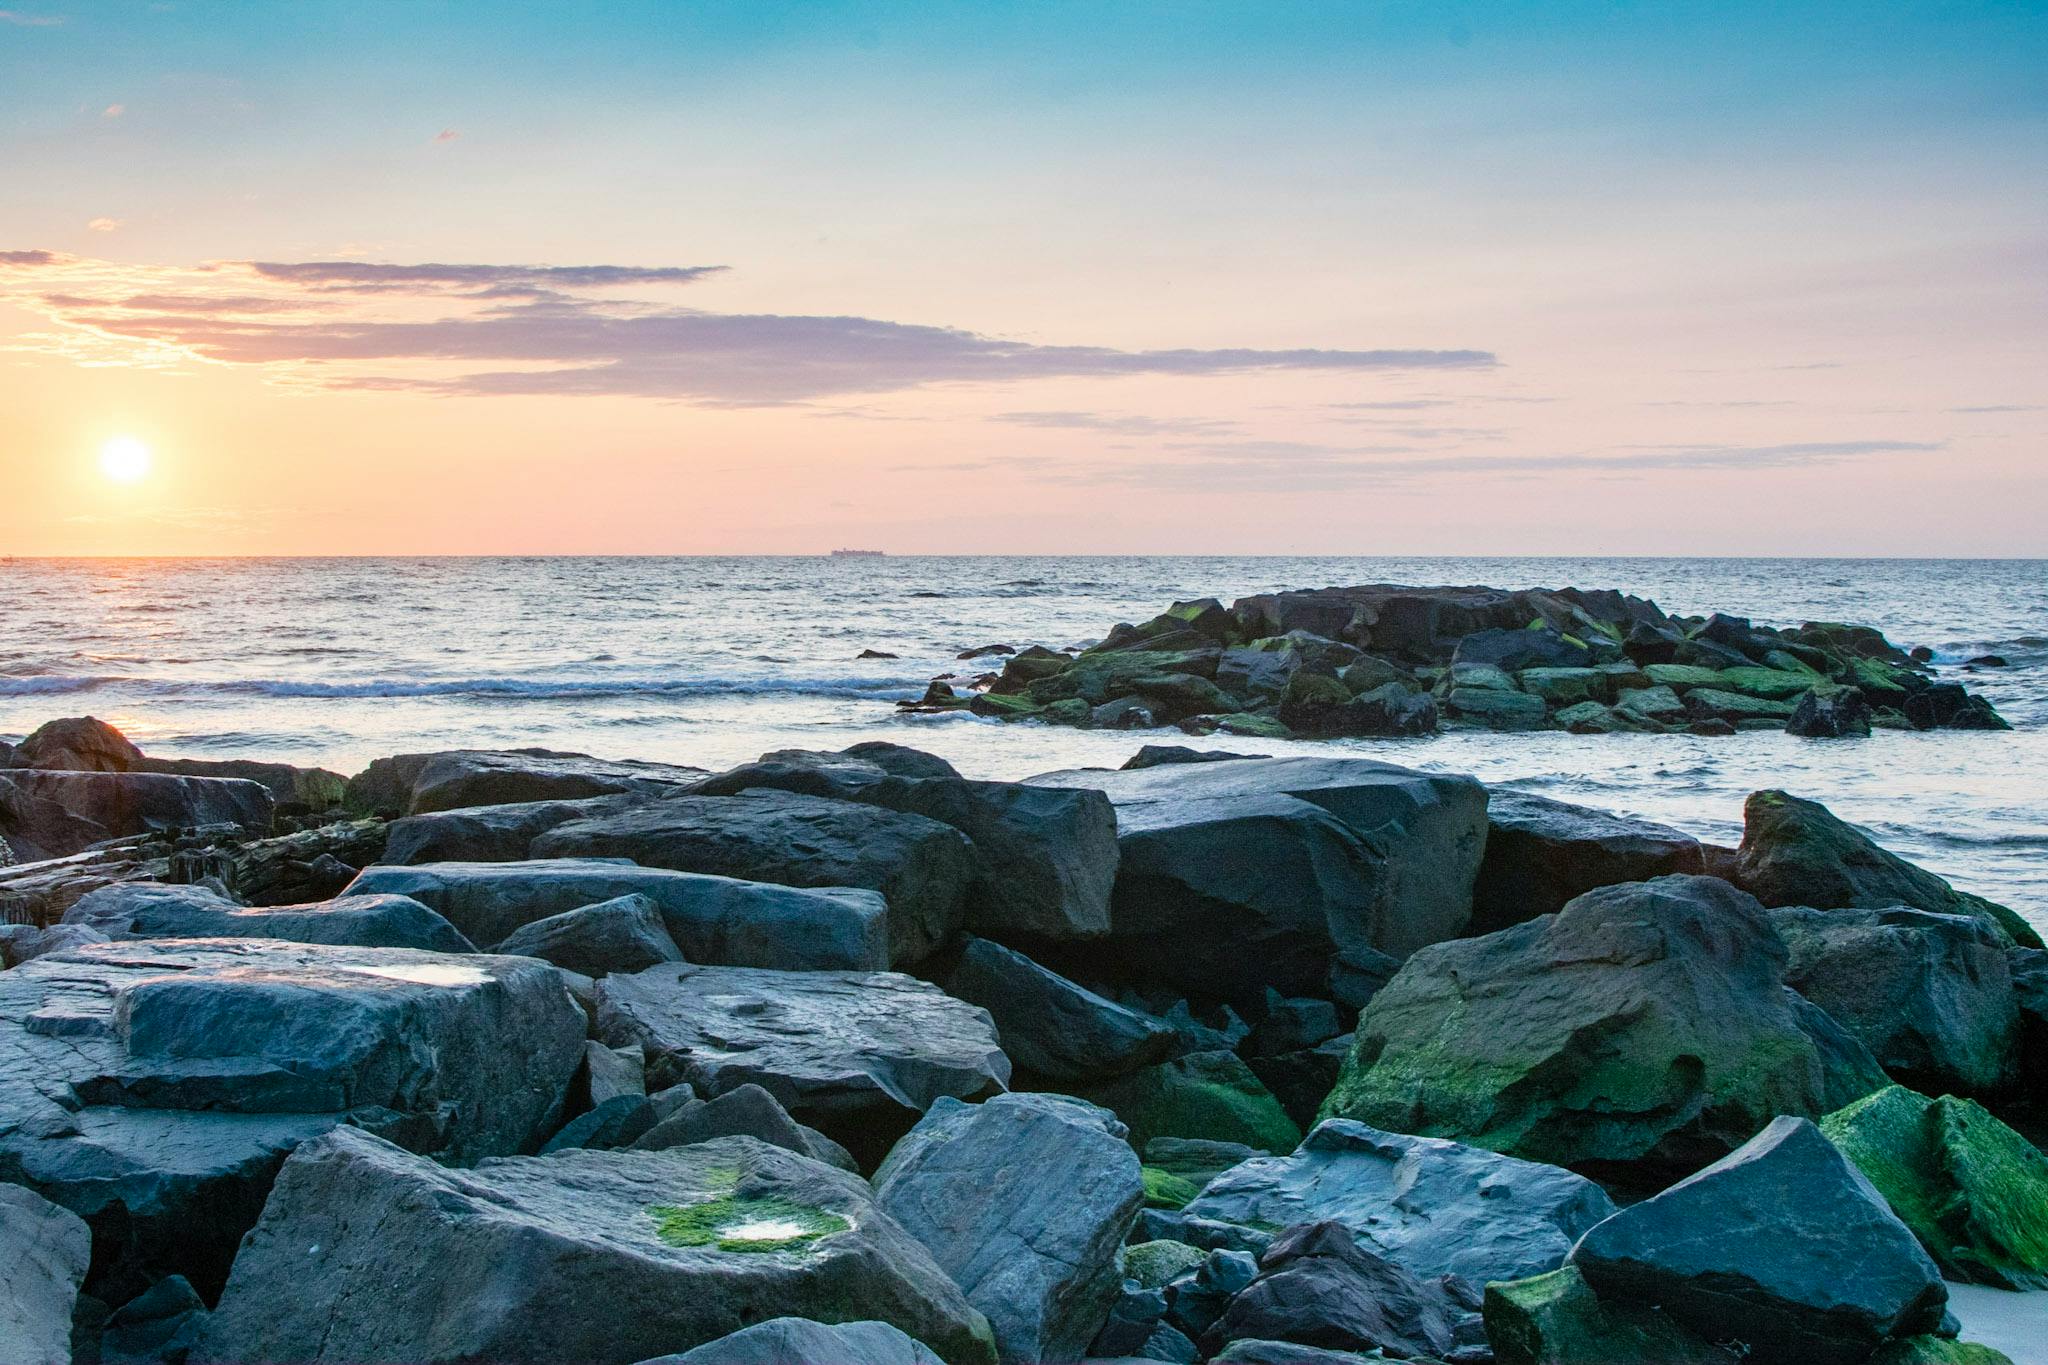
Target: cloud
column 21, row 20
column 447, row 135
column 2004, row 407
column 1119, row 424
column 104, row 224
column 113, row 111
column 485, row 330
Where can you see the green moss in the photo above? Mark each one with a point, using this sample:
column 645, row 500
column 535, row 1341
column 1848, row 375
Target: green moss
column 739, row 1224
column 1937, row 1351
column 1154, row 1265
column 1165, row 1190
column 1555, row 1318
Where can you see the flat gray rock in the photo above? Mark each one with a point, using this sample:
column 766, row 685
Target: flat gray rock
column 43, row 1254
column 153, row 1087
column 712, row 919
column 799, row 1341
column 857, row 1055
column 1024, row 1200
column 1051, row 1027
column 410, row 784
column 1432, row 1206
column 624, row 934
column 602, row 1258
column 1541, row 853
column 152, row 910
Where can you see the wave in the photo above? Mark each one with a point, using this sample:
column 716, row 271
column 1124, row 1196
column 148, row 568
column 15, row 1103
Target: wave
column 50, row 683
column 534, row 689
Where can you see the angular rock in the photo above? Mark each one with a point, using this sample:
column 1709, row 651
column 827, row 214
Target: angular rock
column 1972, row 1190
column 1930, row 995
column 153, row 1087
column 1830, row 712
column 1195, row 1160
column 1556, row 1319
column 746, row 1111
column 1210, row 1095
column 1318, row 1287
column 297, row 791
column 624, row 934
column 1049, row 1026
column 1432, row 1206
column 857, row 1055
column 1241, row 875
column 132, row 910
column 1541, row 853
column 21, row 943
column 488, row 834
column 540, row 1258
column 1797, row 852
column 799, row 1341
column 411, row 784
column 1646, row 1024
column 1500, row 710
column 80, row 744
column 922, row 868
column 1781, row 1245
column 1024, row 1201
column 711, row 919
column 44, row 1250
column 46, row 814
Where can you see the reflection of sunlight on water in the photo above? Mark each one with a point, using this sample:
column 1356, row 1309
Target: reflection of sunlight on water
column 428, row 974
column 762, row 1230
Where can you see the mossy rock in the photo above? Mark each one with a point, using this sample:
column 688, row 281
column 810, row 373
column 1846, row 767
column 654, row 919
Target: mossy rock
column 745, row 1225
column 1314, row 689
column 1591, row 718
column 1972, row 1190
column 1736, row 707
column 1004, row 706
column 1566, row 686
column 1253, row 725
column 1555, row 1319
column 1097, row 678
column 1165, row 1190
column 1681, row 677
column 1772, row 684
column 1072, row 711
column 1657, row 703
column 1498, row 710
column 1884, row 682
column 1202, row 1095
column 1936, row 1351
column 1154, row 1265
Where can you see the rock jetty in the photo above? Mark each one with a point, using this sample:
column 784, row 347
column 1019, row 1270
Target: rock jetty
column 1391, row 661
column 524, row 1056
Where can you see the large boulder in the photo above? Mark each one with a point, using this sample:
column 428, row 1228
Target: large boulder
column 1051, row 1028
column 297, row 791
column 1434, row 1207
column 800, row 1341
column 1781, row 1245
column 154, row 1087
column 1930, row 995
column 488, row 834
column 79, row 744
column 858, row 1055
column 1798, row 852
column 47, row 814
column 153, row 910
column 712, row 919
column 922, row 868
column 1046, row 857
column 1024, row 1201
column 366, row 1253
column 410, row 784
column 1242, row 875
column 44, row 1250
column 1209, row 1095
column 1541, row 853
column 1317, row 1286
column 1643, row 1023
column 624, row 934
column 1972, row 1190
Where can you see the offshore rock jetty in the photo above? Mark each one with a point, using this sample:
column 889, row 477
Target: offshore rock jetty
column 845, row 1057
column 1387, row 660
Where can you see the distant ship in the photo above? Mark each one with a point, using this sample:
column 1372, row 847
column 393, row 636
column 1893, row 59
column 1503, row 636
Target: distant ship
column 856, row 554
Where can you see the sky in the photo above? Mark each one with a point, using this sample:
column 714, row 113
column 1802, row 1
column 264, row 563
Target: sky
column 1379, row 277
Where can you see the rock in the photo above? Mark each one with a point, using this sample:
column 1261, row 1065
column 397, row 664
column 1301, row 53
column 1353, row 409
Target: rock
column 1496, row 709
column 1389, row 711
column 1972, row 1190
column 921, row 867
column 624, row 934
column 1947, row 705
column 1252, row 1351
column 1052, row 1028
column 1930, row 995
column 1830, row 712
column 609, row 1072
column 1934, row 1350
column 535, row 1258
column 297, row 791
column 799, row 1341
column 745, row 1111
column 1125, row 713
column 881, row 654
column 1781, row 1245
column 133, row 910
column 711, row 919
column 857, row 1055
column 1154, row 1265
column 1318, row 1287
column 1556, row 1319
column 1644, row 1025
column 1024, row 1201
column 1514, row 650
column 615, row 1122
column 43, row 1254
column 21, row 943
column 1301, row 1080
column 1165, row 1190
column 1433, row 1207
column 1196, row 1303
column 1241, row 875
column 162, row 1323
column 410, row 784
column 899, row 760
column 1210, row 1095
column 1159, row 755
column 1196, row 1160
column 1654, row 705
column 1713, row 703
column 1541, row 853
column 488, row 834
column 153, row 1087
column 1796, row 852
column 1592, row 718
column 81, row 744
column 2030, row 992
column 45, row 814
column 1563, row 687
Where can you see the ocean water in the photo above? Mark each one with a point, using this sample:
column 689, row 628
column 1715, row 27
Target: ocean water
column 712, row 661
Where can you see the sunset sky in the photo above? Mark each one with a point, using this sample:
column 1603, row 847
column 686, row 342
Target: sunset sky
column 1649, row 278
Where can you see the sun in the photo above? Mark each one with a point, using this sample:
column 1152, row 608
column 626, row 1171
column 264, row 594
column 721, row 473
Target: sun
column 125, row 460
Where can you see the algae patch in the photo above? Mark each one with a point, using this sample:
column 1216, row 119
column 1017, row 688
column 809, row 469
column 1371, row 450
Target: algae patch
column 744, row 1225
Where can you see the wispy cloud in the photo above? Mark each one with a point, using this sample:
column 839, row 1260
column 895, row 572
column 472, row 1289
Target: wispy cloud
column 447, row 135
column 478, row 330
column 104, row 225
column 113, row 111
column 21, row 20
column 2004, row 407
column 1115, row 423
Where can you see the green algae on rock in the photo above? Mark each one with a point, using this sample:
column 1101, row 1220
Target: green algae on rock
column 744, row 1225
column 1556, row 1319
column 1165, row 1190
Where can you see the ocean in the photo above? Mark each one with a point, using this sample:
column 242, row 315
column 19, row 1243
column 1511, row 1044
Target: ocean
column 711, row 661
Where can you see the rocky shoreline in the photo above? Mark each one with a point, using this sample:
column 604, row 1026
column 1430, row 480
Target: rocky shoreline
column 1388, row 660
column 848, row 1057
